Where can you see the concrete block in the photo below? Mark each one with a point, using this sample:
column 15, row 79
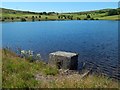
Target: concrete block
column 64, row 60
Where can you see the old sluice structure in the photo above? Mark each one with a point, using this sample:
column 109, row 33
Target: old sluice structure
column 64, row 60
column 69, row 61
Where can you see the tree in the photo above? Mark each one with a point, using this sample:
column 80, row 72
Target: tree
column 39, row 16
column 71, row 17
column 91, row 18
column 3, row 20
column 112, row 12
column 85, row 18
column 44, row 13
column 65, row 17
column 101, row 11
column 46, row 18
column 23, row 19
column 5, row 17
column 88, row 16
column 14, row 12
column 26, row 17
column 118, row 10
column 12, row 18
column 68, row 17
column 58, row 17
column 40, row 13
column 78, row 18
column 17, row 17
column 50, row 13
column 33, row 19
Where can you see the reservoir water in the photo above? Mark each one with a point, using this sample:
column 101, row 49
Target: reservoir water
column 95, row 41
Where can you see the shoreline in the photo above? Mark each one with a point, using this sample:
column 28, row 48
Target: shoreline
column 77, row 70
column 62, row 20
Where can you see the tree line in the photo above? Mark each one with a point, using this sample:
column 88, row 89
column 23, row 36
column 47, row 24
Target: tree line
column 33, row 18
column 8, row 11
column 114, row 12
column 21, row 18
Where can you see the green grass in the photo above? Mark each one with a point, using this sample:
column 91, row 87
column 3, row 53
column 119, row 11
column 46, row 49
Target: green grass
column 115, row 17
column 55, row 17
column 20, row 73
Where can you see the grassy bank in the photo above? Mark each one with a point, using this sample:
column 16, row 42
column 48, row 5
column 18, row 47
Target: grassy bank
column 9, row 15
column 19, row 72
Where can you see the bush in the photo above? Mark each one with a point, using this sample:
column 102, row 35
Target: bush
column 5, row 17
column 3, row 20
column 71, row 18
column 26, row 17
column 59, row 17
column 12, row 18
column 46, row 18
column 44, row 13
column 85, row 19
column 33, row 18
column 78, row 18
column 91, row 18
column 39, row 16
column 17, row 17
column 88, row 16
column 112, row 12
column 23, row 19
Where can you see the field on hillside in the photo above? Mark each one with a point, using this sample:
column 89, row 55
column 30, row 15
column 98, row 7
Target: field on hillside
column 14, row 15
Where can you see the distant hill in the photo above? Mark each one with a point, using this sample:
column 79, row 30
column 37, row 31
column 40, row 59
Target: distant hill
column 11, row 11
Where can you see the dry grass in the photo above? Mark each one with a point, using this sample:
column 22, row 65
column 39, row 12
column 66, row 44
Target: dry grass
column 75, row 81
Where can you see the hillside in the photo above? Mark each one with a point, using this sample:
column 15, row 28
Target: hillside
column 21, row 73
column 17, row 15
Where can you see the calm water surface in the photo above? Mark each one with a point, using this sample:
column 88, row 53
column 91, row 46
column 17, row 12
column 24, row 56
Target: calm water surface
column 95, row 41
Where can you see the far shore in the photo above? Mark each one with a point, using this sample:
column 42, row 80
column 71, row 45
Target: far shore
column 61, row 20
column 9, row 15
